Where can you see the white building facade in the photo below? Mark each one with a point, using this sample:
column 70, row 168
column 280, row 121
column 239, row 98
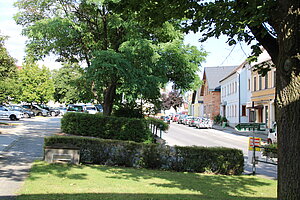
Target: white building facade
column 236, row 95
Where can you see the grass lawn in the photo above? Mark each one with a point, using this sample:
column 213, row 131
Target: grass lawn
column 89, row 182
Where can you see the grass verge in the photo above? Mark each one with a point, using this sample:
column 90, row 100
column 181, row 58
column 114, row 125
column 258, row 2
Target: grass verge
column 87, row 182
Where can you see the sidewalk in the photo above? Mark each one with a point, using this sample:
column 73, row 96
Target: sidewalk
column 8, row 135
column 261, row 134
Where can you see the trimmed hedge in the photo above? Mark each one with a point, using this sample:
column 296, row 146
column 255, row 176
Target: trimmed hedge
column 106, row 127
column 158, row 123
column 131, row 154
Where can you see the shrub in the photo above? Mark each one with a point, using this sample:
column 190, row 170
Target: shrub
column 107, row 127
column 217, row 119
column 129, row 112
column 158, row 123
column 132, row 154
column 270, row 150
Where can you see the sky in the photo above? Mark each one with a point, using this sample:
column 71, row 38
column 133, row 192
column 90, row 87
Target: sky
column 219, row 52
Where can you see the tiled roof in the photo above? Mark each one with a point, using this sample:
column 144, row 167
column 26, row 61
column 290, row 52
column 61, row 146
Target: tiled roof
column 215, row 74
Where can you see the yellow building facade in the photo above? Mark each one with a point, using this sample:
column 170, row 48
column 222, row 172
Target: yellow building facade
column 263, row 97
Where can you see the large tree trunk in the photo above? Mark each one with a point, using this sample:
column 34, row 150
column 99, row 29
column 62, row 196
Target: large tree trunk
column 109, row 97
column 288, row 102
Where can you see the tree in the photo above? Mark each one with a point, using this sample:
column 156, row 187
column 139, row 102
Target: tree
column 114, row 47
column 35, row 83
column 8, row 70
column 67, row 83
column 173, row 99
column 275, row 25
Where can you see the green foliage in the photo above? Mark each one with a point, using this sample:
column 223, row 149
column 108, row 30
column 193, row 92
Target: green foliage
column 8, row 76
column 67, row 82
column 36, row 84
column 215, row 159
column 106, row 127
column 128, row 111
column 158, row 123
column 124, row 56
column 131, row 154
column 224, row 119
column 271, row 150
column 218, row 119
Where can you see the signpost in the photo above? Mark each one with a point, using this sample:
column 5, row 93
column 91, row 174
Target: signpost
column 254, row 150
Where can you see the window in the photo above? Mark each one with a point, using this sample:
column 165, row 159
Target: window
column 267, row 114
column 260, row 82
column 249, row 84
column 274, row 78
column 243, row 110
column 235, row 87
column 266, row 81
column 254, row 82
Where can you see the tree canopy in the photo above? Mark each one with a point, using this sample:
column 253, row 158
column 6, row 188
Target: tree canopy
column 123, row 55
column 36, row 84
column 68, row 84
column 8, row 71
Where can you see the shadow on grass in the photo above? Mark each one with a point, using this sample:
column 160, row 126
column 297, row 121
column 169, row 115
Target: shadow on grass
column 208, row 186
column 126, row 196
column 59, row 170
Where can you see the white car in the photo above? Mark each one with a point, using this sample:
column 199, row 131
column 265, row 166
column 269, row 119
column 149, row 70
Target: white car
column 91, row 109
column 272, row 135
column 6, row 113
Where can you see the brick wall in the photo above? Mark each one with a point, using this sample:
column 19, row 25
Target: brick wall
column 212, row 102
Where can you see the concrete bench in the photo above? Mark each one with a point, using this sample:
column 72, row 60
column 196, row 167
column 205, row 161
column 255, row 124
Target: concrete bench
column 62, row 154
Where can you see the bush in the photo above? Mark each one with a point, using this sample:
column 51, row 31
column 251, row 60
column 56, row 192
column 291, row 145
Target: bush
column 153, row 156
column 106, row 127
column 217, row 119
column 129, row 112
column 270, row 150
column 158, row 123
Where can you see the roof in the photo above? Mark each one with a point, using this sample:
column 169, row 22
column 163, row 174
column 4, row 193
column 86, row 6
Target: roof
column 215, row 74
column 234, row 71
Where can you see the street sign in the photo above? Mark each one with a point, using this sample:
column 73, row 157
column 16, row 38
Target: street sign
column 254, row 141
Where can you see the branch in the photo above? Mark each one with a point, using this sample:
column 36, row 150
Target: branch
column 266, row 40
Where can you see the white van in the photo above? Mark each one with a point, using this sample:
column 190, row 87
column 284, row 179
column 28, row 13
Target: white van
column 272, row 135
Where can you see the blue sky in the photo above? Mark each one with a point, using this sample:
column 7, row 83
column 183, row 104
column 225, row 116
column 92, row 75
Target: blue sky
column 220, row 53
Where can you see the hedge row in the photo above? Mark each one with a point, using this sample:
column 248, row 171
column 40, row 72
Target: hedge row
column 153, row 156
column 106, row 127
column 158, row 123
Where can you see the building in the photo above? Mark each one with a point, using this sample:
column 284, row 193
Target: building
column 236, row 95
column 211, row 89
column 263, row 92
column 196, row 105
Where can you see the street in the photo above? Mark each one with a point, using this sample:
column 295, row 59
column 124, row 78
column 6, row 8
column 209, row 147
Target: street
column 182, row 135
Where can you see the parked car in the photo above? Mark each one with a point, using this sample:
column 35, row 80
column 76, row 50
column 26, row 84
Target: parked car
column 76, row 108
column 176, row 118
column 91, row 109
column 187, row 120
column 26, row 113
column 191, row 122
column 272, row 134
column 166, row 119
column 62, row 110
column 6, row 113
column 204, row 123
column 52, row 111
column 181, row 119
column 99, row 107
column 38, row 111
